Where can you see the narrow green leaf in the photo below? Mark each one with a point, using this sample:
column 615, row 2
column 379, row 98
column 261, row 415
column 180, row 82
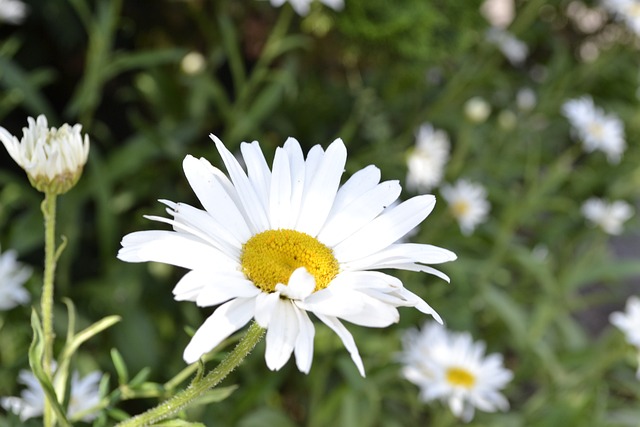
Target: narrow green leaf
column 121, row 367
column 36, row 352
column 87, row 333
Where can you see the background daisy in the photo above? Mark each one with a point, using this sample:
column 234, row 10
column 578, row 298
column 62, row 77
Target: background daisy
column 451, row 367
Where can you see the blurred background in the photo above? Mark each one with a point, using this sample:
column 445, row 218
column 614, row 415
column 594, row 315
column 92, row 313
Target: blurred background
column 149, row 80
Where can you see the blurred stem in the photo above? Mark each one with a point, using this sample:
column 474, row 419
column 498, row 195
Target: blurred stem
column 200, row 385
column 46, row 304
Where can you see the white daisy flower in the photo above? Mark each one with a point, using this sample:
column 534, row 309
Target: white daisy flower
column 274, row 245
column 596, row 130
column 13, row 276
column 468, row 204
column 12, row 11
column 514, row 50
column 427, row 159
column 608, row 216
column 629, row 323
column 302, row 6
column 451, row 367
column 84, row 395
column 53, row 158
column 627, row 11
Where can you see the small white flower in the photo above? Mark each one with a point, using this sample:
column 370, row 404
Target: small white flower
column 468, row 203
column 302, row 6
column 12, row 11
column 596, row 130
column 608, row 216
column 629, row 323
column 627, row 11
column 427, row 159
column 84, row 394
column 477, row 109
column 514, row 50
column 53, row 158
column 277, row 244
column 451, row 367
column 499, row 13
column 13, row 276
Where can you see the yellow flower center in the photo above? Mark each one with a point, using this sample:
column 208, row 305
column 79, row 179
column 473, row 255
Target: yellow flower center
column 269, row 258
column 460, row 377
column 460, row 208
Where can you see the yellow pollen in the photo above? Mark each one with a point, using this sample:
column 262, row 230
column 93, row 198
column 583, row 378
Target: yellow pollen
column 269, row 258
column 460, row 377
column 460, row 208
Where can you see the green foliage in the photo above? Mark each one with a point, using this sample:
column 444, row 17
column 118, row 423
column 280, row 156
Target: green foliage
column 534, row 282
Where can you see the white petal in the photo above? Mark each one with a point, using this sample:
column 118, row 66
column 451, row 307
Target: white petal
column 280, row 197
column 281, row 335
column 257, row 170
column 333, row 301
column 221, row 288
column 187, row 218
column 301, row 285
column 403, row 253
column 413, row 267
column 172, row 248
column 386, row 229
column 266, row 303
column 358, row 213
column 304, row 342
column 374, row 313
column 227, row 319
column 218, row 202
column 252, row 205
column 298, row 172
column 358, row 184
column 320, row 190
column 347, row 339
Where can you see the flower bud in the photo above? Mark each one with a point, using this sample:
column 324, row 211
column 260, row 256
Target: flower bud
column 53, row 158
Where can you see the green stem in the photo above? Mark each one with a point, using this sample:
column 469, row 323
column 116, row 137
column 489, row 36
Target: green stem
column 46, row 304
column 199, row 386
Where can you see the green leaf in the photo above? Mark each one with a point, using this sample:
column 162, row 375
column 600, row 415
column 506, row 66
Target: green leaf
column 121, row 367
column 36, row 352
column 71, row 347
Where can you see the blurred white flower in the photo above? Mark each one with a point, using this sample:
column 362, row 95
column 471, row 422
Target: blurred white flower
column 302, row 6
column 53, row 158
column 451, row 367
column 608, row 216
column 629, row 323
column 275, row 245
column 12, row 11
column 629, row 320
column 477, row 109
column 627, row 11
column 514, row 50
column 13, row 276
column 499, row 13
column 84, row 394
column 427, row 159
column 526, row 99
column 596, row 130
column 468, row 203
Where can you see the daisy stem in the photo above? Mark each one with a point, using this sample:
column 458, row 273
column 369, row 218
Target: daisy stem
column 200, row 385
column 46, row 303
